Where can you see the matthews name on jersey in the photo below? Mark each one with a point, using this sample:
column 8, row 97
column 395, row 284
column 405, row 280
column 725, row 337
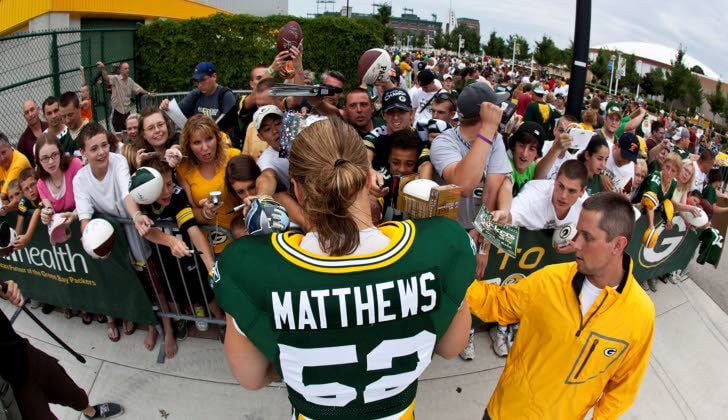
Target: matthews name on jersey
column 350, row 335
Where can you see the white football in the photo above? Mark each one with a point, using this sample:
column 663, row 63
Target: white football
column 145, row 185
column 420, row 188
column 7, row 236
column 374, row 65
column 563, row 234
column 696, row 221
column 98, row 238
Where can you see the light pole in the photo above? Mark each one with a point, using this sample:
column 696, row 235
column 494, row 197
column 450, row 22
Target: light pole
column 611, row 75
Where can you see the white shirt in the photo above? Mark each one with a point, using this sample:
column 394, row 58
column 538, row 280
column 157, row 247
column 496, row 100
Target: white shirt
column 270, row 159
column 700, row 178
column 532, row 208
column 107, row 197
column 558, row 161
column 589, row 295
column 620, row 175
column 370, row 240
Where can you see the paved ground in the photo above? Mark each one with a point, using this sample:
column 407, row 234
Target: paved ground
column 687, row 377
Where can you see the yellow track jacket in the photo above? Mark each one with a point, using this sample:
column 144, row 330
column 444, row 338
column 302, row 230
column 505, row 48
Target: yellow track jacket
column 561, row 364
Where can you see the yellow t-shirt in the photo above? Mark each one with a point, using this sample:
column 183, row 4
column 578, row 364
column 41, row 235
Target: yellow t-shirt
column 18, row 163
column 200, row 187
column 253, row 145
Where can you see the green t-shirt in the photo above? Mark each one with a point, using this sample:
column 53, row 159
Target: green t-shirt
column 520, row 178
column 654, row 184
column 682, row 153
column 709, row 194
column 594, row 185
column 350, row 335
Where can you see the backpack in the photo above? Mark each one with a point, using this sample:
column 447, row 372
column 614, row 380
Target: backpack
column 8, row 406
column 230, row 123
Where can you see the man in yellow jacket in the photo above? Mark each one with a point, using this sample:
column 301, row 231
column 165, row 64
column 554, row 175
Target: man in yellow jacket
column 586, row 327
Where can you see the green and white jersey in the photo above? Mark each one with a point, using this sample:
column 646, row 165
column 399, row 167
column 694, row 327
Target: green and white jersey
column 653, row 183
column 350, row 335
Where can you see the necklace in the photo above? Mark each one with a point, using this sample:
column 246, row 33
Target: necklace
column 56, row 186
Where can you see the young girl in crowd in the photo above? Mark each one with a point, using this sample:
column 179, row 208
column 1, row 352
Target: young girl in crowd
column 595, row 158
column 154, row 137
column 102, row 186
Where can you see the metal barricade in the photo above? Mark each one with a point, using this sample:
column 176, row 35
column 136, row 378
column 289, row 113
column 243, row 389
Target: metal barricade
column 176, row 289
column 147, row 100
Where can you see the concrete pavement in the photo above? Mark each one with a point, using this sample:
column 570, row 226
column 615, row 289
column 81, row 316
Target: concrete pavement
column 687, row 377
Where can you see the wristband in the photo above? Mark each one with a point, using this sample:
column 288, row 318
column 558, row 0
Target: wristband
column 270, row 71
column 137, row 213
column 485, row 139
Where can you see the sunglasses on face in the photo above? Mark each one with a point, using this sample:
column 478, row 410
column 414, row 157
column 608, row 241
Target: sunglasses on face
column 444, row 96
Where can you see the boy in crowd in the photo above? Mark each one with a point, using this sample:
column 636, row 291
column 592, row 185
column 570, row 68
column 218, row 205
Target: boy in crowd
column 399, row 115
column 29, row 206
column 402, row 161
column 12, row 163
column 14, row 196
column 524, row 146
column 711, row 192
column 273, row 169
column 546, row 204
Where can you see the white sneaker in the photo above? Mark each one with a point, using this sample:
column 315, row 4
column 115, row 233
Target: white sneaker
column 511, row 335
column 468, row 352
column 500, row 341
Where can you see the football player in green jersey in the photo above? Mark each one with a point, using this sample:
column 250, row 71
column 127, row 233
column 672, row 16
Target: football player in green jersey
column 348, row 314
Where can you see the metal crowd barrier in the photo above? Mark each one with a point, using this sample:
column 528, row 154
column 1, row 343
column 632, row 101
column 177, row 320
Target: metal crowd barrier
column 147, row 100
column 168, row 303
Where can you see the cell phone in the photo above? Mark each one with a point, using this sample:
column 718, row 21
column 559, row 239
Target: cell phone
column 508, row 108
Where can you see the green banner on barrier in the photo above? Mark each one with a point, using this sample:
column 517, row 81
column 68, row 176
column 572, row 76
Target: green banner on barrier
column 65, row 275
column 673, row 251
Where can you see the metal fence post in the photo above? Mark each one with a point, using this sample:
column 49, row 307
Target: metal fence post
column 55, row 66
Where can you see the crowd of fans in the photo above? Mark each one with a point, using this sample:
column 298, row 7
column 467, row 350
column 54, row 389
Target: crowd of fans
column 426, row 117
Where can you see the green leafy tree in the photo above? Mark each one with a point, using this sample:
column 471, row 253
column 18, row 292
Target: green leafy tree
column 697, row 69
column 717, row 101
column 546, row 52
column 598, row 67
column 420, row 39
column 682, row 87
column 439, row 40
column 653, row 83
column 496, row 46
column 522, row 48
column 471, row 37
column 384, row 16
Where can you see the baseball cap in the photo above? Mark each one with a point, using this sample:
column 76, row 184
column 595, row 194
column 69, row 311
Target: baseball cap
column 263, row 112
column 629, row 146
column 447, row 76
column 426, row 76
column 529, row 128
column 613, row 108
column 682, row 132
column 396, row 99
column 203, row 69
column 539, row 89
column 57, row 230
column 475, row 94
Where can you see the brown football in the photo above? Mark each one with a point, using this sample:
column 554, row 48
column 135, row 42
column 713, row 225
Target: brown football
column 289, row 36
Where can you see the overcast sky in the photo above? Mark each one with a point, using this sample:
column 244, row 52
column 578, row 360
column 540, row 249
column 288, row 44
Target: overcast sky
column 697, row 25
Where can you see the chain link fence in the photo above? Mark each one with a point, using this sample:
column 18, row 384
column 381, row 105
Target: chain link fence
column 42, row 64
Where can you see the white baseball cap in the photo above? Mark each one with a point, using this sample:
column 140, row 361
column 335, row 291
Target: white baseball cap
column 264, row 111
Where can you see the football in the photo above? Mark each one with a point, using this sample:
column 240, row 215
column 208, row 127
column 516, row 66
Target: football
column 562, row 235
column 374, row 65
column 649, row 238
column 7, row 236
column 265, row 217
column 289, row 36
column 98, row 238
column 145, row 185
column 696, row 221
column 420, row 188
